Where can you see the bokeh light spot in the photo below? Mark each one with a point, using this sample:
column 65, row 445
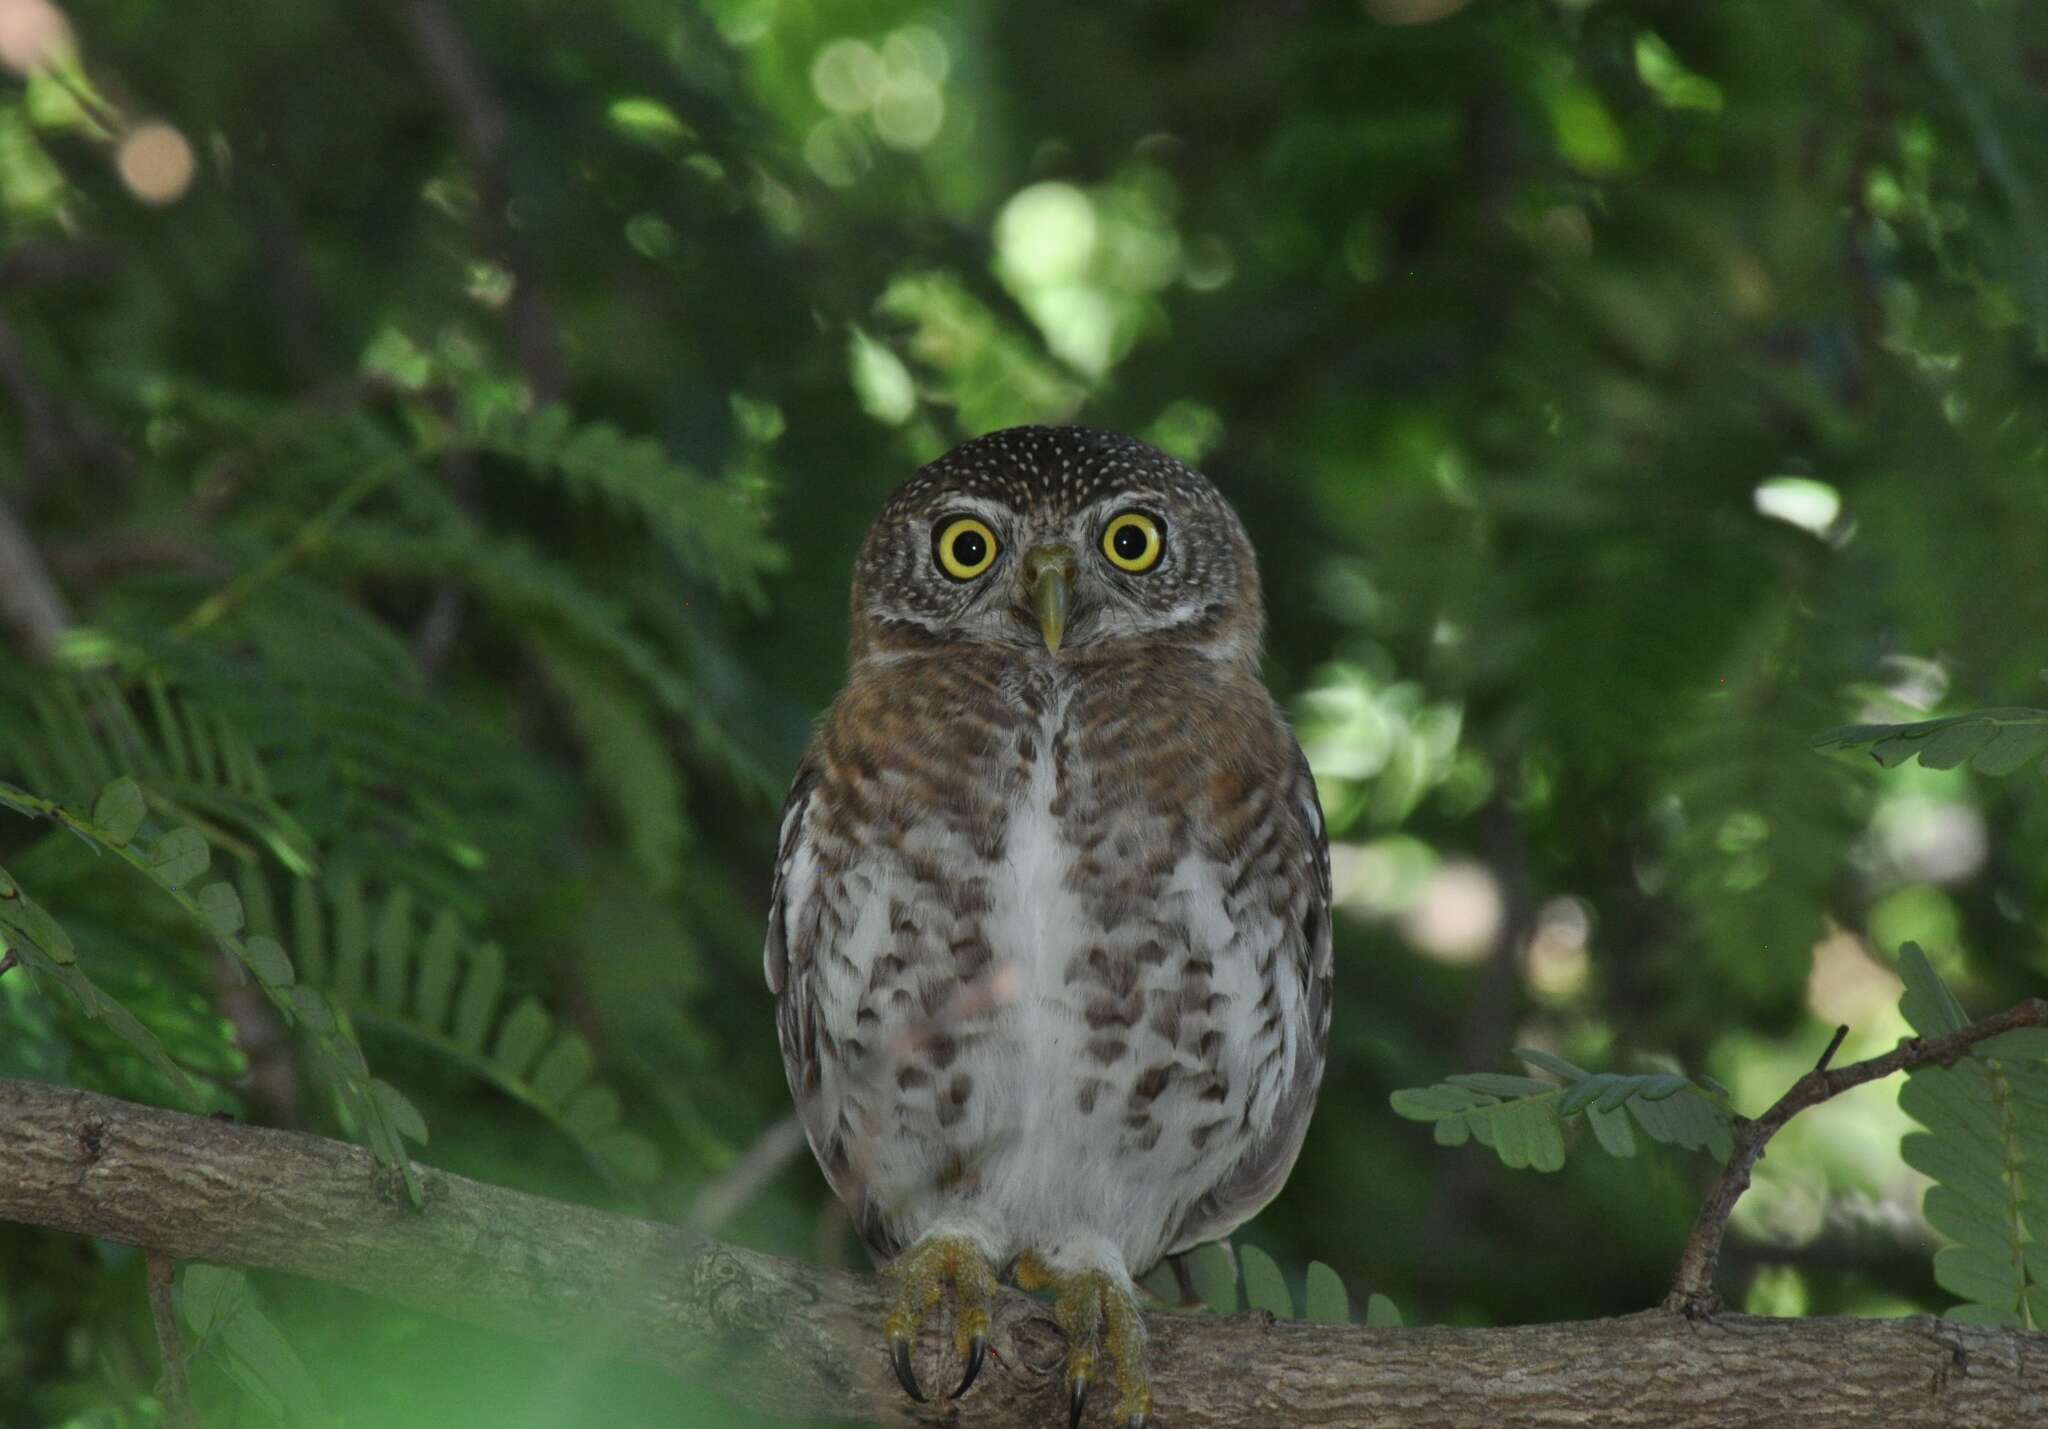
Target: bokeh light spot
column 34, row 35
column 846, row 75
column 1046, row 234
column 156, row 163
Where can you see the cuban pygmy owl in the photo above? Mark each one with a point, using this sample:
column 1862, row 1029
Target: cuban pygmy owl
column 1050, row 929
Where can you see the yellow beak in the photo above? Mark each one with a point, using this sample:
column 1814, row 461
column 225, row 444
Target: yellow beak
column 1049, row 582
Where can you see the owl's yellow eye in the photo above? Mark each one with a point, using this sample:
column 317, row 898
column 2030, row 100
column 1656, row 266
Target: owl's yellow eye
column 1132, row 542
column 964, row 548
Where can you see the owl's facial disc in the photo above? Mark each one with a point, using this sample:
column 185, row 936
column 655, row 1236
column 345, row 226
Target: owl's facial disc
column 1047, row 579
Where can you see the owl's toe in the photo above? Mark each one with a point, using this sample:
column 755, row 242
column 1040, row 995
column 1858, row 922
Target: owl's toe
column 922, row 1275
column 1097, row 1311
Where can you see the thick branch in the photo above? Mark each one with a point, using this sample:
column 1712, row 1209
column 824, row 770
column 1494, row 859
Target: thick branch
column 804, row 1341
column 1692, row 1289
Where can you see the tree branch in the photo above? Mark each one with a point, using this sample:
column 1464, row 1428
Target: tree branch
column 1692, row 1289
column 800, row 1340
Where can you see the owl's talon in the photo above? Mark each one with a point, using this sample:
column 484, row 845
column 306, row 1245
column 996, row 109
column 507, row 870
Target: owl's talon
column 922, row 1275
column 977, row 1351
column 899, row 1355
column 1098, row 1312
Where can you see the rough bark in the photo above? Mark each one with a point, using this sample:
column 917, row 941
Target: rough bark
column 794, row 1339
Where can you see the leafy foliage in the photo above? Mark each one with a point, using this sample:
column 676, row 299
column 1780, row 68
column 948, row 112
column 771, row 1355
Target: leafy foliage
column 1522, row 1118
column 1613, row 393
column 1988, row 741
column 1215, row 1269
column 441, row 989
column 231, row 1331
column 1986, row 1146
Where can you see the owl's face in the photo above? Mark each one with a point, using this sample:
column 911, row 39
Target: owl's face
column 1052, row 542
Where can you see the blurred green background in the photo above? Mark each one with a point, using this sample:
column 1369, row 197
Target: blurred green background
column 1619, row 393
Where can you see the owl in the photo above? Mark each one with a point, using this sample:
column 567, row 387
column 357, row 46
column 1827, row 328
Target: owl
column 1050, row 926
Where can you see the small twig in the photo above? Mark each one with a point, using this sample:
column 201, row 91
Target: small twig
column 6, row 961
column 456, row 73
column 1692, row 1289
column 30, row 603
column 309, row 539
column 759, row 1164
column 177, row 1390
column 1834, row 1046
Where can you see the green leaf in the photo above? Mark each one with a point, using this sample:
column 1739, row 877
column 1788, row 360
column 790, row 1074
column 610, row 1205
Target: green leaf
column 1502, row 1084
column 1556, row 1066
column 1610, row 1129
column 208, row 1296
column 1984, row 1277
column 519, row 1039
column 178, row 857
column 1429, row 1103
column 1264, row 1286
column 1582, row 1094
column 2022, row 1043
column 593, row 1111
column 1381, row 1313
column 1658, row 1087
column 2012, row 746
column 439, row 960
column 221, row 906
column 266, row 958
column 1927, row 1005
column 1215, row 1276
column 478, row 1004
column 351, row 938
column 1954, row 745
column 394, row 948
column 313, row 1010
column 564, row 1070
column 263, row 1363
column 1328, row 1302
column 403, row 1114
column 22, row 915
column 119, row 811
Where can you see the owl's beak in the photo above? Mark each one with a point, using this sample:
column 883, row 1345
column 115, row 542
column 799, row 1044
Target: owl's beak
column 1049, row 585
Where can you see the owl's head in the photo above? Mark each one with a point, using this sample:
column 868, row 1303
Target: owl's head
column 1055, row 542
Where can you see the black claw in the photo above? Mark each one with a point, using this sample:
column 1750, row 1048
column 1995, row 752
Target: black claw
column 899, row 1355
column 977, row 1351
column 1077, row 1400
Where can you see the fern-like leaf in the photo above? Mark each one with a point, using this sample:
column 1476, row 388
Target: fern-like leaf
column 193, row 764
column 1986, row 1146
column 45, row 952
column 440, row 989
column 1996, row 741
column 1522, row 1118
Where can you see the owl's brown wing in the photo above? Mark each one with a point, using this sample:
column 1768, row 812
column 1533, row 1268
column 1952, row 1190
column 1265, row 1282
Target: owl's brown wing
column 789, row 960
column 1306, row 957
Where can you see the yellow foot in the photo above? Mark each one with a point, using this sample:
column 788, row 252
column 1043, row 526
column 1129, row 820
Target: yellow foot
column 1097, row 1312
column 922, row 1274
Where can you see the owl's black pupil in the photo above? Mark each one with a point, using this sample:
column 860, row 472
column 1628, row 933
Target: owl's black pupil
column 970, row 547
column 1130, row 542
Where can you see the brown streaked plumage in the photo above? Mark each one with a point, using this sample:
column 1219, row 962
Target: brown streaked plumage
column 1050, row 937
